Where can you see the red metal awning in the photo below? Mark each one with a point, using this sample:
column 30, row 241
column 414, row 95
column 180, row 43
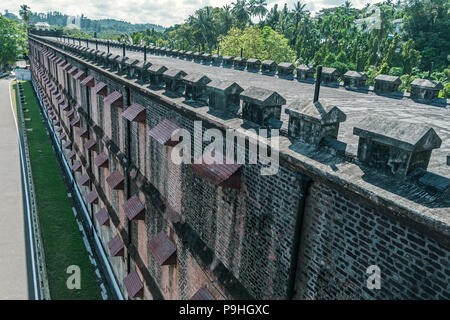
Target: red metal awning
column 102, row 217
column 164, row 131
column 75, row 122
column 114, row 99
column 116, row 246
column 70, row 114
column 134, row 208
column 58, row 129
column 76, row 166
column 135, row 112
column 65, row 107
column 116, row 180
column 92, row 197
column 73, row 70
column 67, row 145
column 62, row 136
column 203, row 294
column 100, row 89
column 91, row 144
column 133, row 284
column 71, row 155
column 220, row 174
column 88, row 81
column 163, row 249
column 80, row 75
column 60, row 101
column 101, row 160
column 82, row 132
column 67, row 67
column 84, row 180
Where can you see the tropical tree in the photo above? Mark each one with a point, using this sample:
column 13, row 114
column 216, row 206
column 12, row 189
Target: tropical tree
column 240, row 12
column 25, row 13
column 12, row 41
column 258, row 8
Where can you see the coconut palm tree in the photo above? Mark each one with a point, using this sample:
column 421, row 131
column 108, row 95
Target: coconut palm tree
column 240, row 11
column 25, row 13
column 258, row 8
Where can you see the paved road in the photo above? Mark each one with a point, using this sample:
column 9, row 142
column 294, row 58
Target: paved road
column 13, row 249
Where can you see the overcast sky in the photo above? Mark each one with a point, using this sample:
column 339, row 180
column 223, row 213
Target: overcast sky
column 162, row 12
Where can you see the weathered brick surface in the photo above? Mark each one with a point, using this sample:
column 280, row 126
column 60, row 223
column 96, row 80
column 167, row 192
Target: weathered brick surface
column 244, row 243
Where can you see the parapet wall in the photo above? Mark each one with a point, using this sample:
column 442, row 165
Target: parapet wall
column 308, row 232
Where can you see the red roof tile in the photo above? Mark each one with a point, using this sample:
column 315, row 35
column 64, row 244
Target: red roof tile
column 163, row 249
column 102, row 217
column 101, row 160
column 84, row 180
column 202, row 294
column 91, row 144
column 92, row 197
column 100, row 88
column 133, row 284
column 133, row 207
column 135, row 112
column 116, row 180
column 116, row 246
column 220, row 174
column 80, row 75
column 114, row 99
column 164, row 131
column 76, row 166
column 82, row 132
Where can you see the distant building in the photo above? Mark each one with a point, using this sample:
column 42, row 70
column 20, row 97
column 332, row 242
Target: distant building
column 42, row 26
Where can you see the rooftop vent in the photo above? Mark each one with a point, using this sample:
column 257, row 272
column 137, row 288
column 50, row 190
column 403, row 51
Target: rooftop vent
column 425, row 89
column 223, row 95
column 395, row 147
column 261, row 105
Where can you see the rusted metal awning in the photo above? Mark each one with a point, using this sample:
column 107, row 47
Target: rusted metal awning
column 73, row 70
column 163, row 249
column 71, row 155
column 75, row 122
column 82, row 132
column 70, row 114
column 102, row 217
column 67, row 145
column 80, row 75
column 65, row 107
column 84, row 180
column 67, row 67
column 220, row 174
column 134, row 208
column 133, row 284
column 91, row 144
column 100, row 89
column 135, row 112
column 92, row 197
column 116, row 180
column 164, row 131
column 116, row 246
column 101, row 160
column 77, row 166
column 114, row 99
column 88, row 81
column 203, row 294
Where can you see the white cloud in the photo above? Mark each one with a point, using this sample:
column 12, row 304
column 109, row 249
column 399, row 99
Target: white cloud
column 163, row 12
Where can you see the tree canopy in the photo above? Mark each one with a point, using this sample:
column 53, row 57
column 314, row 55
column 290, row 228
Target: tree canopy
column 12, row 41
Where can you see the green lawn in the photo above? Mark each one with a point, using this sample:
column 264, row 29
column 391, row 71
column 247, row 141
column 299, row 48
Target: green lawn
column 62, row 241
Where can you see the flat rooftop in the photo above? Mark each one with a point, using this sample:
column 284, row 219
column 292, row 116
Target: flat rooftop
column 356, row 105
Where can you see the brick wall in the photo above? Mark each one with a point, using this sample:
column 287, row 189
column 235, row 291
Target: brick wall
column 290, row 235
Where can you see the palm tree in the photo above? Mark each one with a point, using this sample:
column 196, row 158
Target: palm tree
column 258, row 8
column 25, row 13
column 297, row 16
column 240, row 12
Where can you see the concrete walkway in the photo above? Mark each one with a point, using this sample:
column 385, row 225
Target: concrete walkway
column 13, row 249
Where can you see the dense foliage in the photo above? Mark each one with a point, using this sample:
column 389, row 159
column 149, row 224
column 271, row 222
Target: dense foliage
column 12, row 41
